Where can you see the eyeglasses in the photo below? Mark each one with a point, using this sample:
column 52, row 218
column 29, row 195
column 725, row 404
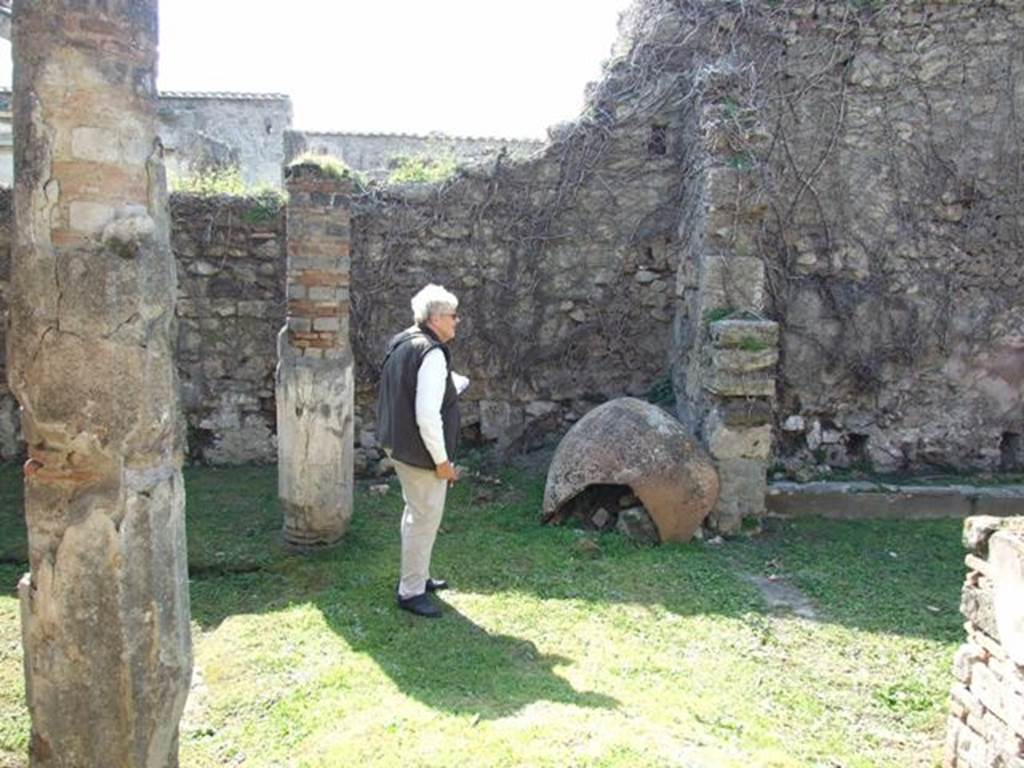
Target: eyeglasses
column 450, row 314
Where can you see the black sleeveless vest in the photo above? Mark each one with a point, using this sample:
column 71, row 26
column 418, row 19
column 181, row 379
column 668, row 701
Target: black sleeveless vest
column 396, row 399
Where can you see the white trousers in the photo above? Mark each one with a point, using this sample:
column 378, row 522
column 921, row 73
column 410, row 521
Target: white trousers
column 424, row 494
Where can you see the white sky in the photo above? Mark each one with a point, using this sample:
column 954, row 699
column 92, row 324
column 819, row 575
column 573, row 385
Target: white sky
column 505, row 68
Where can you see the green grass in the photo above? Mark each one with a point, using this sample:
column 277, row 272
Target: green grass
column 548, row 655
column 423, row 169
column 330, row 166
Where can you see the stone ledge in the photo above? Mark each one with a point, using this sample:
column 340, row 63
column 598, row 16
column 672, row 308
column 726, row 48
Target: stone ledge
column 735, row 333
column 863, row 500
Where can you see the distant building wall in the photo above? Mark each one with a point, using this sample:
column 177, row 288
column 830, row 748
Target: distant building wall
column 203, row 130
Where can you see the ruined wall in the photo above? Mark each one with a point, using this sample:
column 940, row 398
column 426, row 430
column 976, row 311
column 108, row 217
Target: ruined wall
column 986, row 722
column 244, row 130
column 375, row 154
column 899, row 238
column 894, row 239
column 876, row 173
column 849, row 170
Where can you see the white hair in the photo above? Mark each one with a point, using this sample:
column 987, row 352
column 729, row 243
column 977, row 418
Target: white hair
column 432, row 300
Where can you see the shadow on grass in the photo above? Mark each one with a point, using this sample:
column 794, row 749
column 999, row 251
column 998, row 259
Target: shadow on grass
column 455, row 665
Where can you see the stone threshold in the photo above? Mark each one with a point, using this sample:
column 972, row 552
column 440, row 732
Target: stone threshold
column 866, row 500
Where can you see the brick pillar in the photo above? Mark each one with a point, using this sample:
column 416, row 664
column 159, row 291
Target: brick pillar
column 986, row 721
column 315, row 387
column 105, row 611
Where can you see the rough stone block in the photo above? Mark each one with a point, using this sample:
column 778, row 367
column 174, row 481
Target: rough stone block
column 740, row 442
column 988, row 688
column 254, row 308
column 500, row 421
column 744, row 412
column 326, row 324
column 977, row 607
column 1006, row 563
column 203, row 268
column 966, row 701
column 98, row 145
column 744, row 361
column 300, row 325
column 90, row 217
column 224, row 308
column 989, row 644
column 1014, row 712
column 733, row 334
column 978, row 529
column 322, row 293
column 186, row 308
column 732, row 281
column 953, row 727
column 966, row 655
column 727, row 384
column 635, row 524
column 743, row 487
column 972, row 750
column 536, row 409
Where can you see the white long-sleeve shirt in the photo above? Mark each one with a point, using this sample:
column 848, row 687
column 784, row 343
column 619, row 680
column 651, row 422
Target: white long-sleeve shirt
column 430, row 385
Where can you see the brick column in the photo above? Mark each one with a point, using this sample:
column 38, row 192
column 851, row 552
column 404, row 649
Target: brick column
column 986, row 722
column 105, row 611
column 315, row 387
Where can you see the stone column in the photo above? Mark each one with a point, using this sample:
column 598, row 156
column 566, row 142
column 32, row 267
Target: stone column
column 726, row 350
column 105, row 610
column 315, row 387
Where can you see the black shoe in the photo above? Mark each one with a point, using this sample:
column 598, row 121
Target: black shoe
column 436, row 585
column 421, row 605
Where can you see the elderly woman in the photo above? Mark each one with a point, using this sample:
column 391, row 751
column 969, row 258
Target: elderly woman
column 418, row 426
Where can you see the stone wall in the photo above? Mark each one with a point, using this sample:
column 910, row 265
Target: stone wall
column 892, row 229
column 870, row 155
column 564, row 266
column 231, row 278
column 376, row 154
column 986, row 723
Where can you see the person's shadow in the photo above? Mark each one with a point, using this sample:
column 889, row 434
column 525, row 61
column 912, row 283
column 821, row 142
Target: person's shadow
column 453, row 664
